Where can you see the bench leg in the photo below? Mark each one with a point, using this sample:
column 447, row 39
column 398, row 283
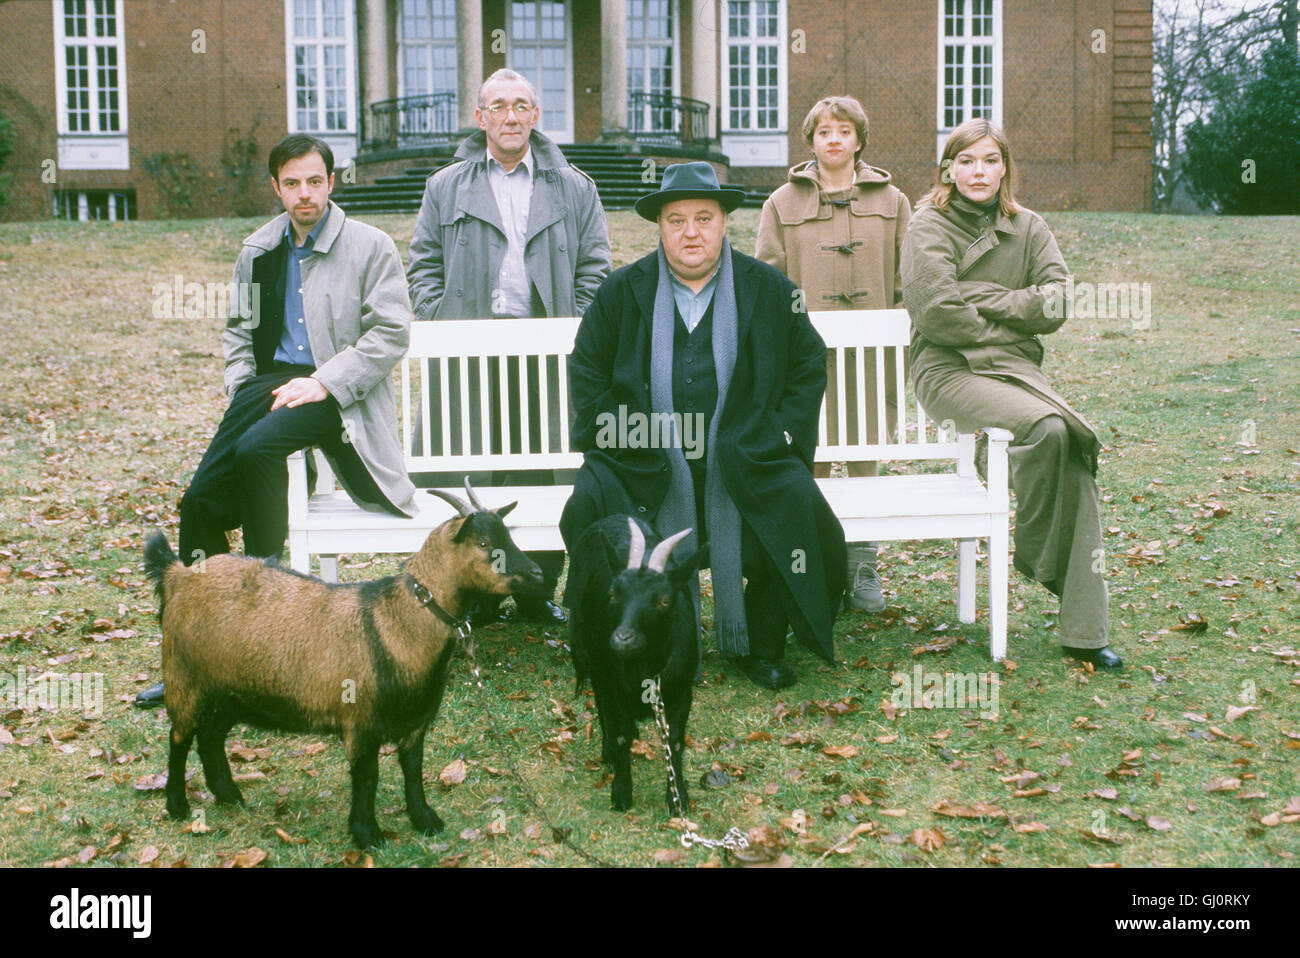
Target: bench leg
column 966, row 580
column 329, row 568
column 299, row 558
column 999, row 558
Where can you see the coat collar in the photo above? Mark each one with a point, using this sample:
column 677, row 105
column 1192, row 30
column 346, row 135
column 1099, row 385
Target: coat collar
column 268, row 237
column 477, row 200
column 804, row 201
column 546, row 154
column 644, row 280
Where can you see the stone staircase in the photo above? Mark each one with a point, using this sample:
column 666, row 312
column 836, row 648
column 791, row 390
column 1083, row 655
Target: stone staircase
column 619, row 179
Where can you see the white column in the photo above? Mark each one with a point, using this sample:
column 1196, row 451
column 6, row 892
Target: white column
column 706, row 38
column 613, row 71
column 377, row 81
column 469, row 59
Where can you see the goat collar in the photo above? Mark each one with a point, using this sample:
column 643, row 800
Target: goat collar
column 425, row 598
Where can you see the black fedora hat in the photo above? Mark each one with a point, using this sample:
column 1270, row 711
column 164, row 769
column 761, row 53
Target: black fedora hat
column 687, row 181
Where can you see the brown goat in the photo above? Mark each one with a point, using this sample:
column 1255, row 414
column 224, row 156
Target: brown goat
column 245, row 640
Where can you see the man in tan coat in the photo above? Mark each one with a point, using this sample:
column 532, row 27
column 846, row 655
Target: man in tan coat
column 982, row 279
column 320, row 317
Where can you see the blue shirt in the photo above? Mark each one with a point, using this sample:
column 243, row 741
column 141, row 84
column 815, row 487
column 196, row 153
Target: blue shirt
column 294, row 347
column 690, row 303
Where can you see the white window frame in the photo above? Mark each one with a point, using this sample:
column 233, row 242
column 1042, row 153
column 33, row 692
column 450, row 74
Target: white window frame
column 754, row 147
column 675, row 45
column 342, row 142
column 966, row 42
column 92, row 149
column 564, row 135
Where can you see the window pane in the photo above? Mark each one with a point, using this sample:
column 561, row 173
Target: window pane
column 766, row 18
column 738, row 18
column 335, row 87
column 74, row 18
column 78, row 81
column 738, row 80
column 523, row 22
column 304, row 18
column 332, row 14
column 415, row 25
column 953, row 18
column 305, row 82
column 443, row 15
column 105, row 18
column 106, row 80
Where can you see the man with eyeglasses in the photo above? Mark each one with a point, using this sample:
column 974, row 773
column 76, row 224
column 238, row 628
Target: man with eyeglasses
column 508, row 229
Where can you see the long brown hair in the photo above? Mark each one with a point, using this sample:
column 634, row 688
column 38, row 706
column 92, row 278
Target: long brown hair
column 966, row 134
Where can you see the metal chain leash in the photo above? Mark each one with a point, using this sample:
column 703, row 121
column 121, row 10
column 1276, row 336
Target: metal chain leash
column 557, row 833
column 734, row 838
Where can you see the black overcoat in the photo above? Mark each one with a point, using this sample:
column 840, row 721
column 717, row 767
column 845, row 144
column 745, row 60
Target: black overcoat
column 776, row 388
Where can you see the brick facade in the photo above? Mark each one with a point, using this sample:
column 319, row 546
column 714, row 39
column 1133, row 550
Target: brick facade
column 1078, row 120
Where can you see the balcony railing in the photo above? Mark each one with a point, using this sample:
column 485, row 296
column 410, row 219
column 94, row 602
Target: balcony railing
column 413, row 120
column 658, row 119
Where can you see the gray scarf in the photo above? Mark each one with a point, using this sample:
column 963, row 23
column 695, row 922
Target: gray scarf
column 678, row 510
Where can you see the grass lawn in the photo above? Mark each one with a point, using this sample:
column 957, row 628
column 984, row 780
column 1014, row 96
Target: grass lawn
column 1188, row 757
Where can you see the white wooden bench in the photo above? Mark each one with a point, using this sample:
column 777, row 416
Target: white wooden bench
column 949, row 504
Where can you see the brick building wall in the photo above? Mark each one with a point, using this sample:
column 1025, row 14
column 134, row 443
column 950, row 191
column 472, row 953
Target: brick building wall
column 178, row 101
column 1078, row 120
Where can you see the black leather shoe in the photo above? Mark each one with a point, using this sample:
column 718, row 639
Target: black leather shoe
column 1103, row 658
column 769, row 673
column 541, row 611
column 150, row 698
column 488, row 613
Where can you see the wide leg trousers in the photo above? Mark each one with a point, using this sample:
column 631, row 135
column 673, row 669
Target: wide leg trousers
column 1058, row 514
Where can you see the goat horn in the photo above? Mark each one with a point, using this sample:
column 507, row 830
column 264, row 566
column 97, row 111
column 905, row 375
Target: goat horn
column 459, row 504
column 473, row 498
column 659, row 557
column 635, row 551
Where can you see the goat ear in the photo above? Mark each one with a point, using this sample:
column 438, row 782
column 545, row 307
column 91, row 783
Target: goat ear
column 464, row 531
column 680, row 573
column 505, row 510
column 617, row 561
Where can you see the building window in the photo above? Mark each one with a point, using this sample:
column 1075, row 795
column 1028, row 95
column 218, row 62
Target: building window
column 321, row 74
column 91, row 75
column 755, row 65
column 650, row 26
column 539, row 49
column 970, row 62
column 85, row 205
column 426, row 44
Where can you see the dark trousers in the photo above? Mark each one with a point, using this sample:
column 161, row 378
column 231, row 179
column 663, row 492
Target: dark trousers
column 243, row 479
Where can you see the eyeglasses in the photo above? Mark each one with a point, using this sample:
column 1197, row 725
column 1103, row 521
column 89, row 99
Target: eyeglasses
column 520, row 109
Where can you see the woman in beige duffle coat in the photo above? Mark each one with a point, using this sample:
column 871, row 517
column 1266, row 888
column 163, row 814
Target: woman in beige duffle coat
column 835, row 229
column 982, row 279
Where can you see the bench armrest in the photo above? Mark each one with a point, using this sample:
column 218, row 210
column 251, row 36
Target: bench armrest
column 998, row 468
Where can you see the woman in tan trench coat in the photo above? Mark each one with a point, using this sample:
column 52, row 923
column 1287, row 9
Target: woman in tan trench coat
column 982, row 279
column 835, row 229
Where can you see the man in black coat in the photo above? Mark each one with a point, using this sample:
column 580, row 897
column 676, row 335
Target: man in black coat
column 696, row 382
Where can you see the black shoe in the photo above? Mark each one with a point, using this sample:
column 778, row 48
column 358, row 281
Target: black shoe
column 1103, row 658
column 487, row 613
column 150, row 698
column 541, row 611
column 769, row 673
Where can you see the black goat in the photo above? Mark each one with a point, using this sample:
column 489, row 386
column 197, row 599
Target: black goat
column 631, row 625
